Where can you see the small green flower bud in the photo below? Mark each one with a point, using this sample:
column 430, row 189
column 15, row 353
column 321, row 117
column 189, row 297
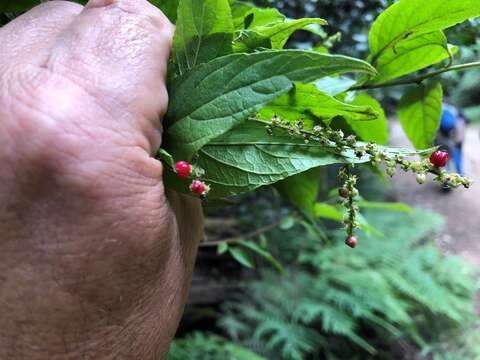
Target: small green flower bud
column 391, row 171
column 421, row 178
column 466, row 183
column 351, row 140
column 317, row 129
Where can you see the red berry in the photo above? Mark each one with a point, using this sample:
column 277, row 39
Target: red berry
column 198, row 187
column 344, row 193
column 183, row 169
column 351, row 241
column 439, row 158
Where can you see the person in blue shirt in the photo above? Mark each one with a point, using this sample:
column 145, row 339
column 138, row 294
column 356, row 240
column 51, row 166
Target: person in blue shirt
column 452, row 134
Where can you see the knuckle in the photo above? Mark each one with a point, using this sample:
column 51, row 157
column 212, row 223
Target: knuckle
column 65, row 7
column 136, row 8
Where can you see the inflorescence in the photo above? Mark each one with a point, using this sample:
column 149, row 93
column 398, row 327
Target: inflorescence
column 376, row 155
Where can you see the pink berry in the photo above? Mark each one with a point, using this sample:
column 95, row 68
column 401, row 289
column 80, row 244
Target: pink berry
column 198, row 187
column 439, row 158
column 183, row 169
column 344, row 193
column 351, row 241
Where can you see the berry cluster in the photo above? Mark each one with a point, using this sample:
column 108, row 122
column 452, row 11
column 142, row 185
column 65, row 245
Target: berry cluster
column 338, row 142
column 434, row 165
column 348, row 192
column 184, row 171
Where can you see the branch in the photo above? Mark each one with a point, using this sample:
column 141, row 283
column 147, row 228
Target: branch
column 418, row 80
column 236, row 239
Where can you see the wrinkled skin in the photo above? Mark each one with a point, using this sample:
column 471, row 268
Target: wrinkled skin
column 95, row 259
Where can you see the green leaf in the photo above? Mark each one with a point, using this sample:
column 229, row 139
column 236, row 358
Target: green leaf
column 222, row 248
column 261, row 252
column 375, row 130
column 209, row 101
column 166, row 158
column 328, row 212
column 400, row 207
column 287, row 223
column 204, row 31
column 302, row 189
column 308, row 103
column 239, row 11
column 242, row 257
column 412, row 55
column 407, row 19
column 250, row 41
column 246, row 16
column 247, row 158
column 335, row 85
column 279, row 33
column 367, row 228
column 420, row 111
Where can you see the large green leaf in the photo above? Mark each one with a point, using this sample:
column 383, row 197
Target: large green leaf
column 335, row 85
column 420, row 110
column 306, row 102
column 247, row 158
column 204, row 31
column 407, row 19
column 209, row 101
column 302, row 189
column 412, row 55
column 329, row 212
column 239, row 11
column 375, row 130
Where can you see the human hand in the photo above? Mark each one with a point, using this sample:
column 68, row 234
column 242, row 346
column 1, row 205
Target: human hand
column 94, row 263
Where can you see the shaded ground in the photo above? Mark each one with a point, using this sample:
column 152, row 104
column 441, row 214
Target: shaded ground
column 460, row 207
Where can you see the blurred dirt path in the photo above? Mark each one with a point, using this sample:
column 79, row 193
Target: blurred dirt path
column 460, row 207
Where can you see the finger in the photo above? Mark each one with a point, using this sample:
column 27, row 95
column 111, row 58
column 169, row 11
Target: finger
column 118, row 50
column 29, row 38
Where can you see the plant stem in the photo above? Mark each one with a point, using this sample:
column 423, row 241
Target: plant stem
column 418, row 80
column 236, row 239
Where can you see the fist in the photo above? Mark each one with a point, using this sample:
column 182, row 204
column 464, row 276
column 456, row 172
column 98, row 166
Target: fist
column 95, row 258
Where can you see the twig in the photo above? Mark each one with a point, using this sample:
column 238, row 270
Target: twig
column 236, row 239
column 418, row 79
